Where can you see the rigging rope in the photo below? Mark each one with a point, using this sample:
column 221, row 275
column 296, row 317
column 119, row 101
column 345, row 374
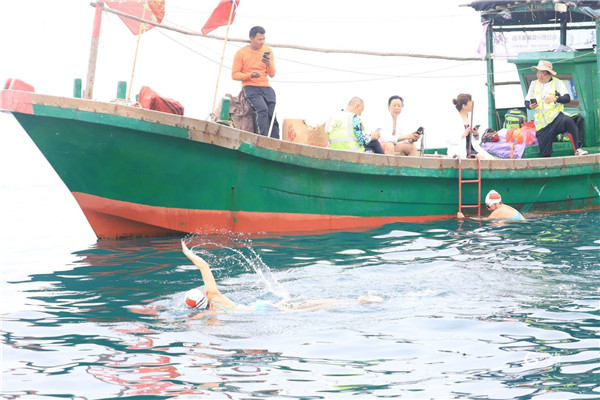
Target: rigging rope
column 292, row 46
column 374, row 76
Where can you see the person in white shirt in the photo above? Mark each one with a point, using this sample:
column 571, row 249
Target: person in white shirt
column 462, row 143
column 392, row 140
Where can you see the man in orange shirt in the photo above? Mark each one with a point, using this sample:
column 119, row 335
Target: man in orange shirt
column 253, row 65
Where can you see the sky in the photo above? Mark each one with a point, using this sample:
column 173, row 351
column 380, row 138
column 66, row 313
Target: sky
column 51, row 41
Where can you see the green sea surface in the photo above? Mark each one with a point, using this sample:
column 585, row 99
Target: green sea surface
column 470, row 310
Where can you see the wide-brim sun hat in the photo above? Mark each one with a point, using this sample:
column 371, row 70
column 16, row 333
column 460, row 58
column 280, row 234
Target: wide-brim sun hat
column 196, row 298
column 492, row 197
column 544, row 66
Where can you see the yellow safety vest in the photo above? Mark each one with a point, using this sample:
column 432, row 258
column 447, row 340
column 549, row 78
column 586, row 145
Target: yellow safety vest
column 340, row 129
column 545, row 114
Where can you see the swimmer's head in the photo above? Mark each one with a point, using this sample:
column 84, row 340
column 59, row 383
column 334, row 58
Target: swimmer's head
column 196, row 298
column 492, row 197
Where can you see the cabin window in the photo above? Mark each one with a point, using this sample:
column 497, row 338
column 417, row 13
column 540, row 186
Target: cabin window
column 569, row 83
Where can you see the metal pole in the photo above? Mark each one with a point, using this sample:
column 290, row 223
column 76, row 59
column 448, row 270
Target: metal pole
column 91, row 76
column 563, row 29
column 272, row 120
column 492, row 121
column 470, row 137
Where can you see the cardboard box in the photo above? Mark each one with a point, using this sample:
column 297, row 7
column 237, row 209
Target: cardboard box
column 296, row 130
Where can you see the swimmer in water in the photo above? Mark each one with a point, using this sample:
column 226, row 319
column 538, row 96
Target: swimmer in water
column 493, row 201
column 213, row 300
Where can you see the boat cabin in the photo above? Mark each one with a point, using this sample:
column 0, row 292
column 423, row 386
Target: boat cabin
column 554, row 22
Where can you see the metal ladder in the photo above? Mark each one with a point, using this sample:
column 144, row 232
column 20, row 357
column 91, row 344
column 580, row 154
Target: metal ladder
column 461, row 181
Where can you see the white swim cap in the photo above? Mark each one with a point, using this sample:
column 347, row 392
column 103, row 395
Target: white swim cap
column 196, row 298
column 493, row 197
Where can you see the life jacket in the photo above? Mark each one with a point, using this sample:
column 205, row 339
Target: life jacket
column 545, row 113
column 340, row 129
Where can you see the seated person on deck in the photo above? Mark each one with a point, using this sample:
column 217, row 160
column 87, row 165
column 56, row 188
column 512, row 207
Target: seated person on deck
column 462, row 141
column 347, row 132
column 547, row 96
column 392, row 141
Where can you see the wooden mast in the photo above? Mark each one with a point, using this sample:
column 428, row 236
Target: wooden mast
column 137, row 46
column 91, row 75
column 233, row 6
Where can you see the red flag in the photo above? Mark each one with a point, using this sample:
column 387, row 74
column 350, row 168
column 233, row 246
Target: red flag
column 150, row 10
column 220, row 16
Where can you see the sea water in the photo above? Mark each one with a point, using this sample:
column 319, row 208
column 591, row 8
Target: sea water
column 470, row 310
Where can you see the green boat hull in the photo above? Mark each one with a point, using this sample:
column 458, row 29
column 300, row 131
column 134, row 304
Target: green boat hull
column 137, row 172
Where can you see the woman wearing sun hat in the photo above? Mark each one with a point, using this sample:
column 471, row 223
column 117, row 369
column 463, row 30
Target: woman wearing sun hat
column 546, row 97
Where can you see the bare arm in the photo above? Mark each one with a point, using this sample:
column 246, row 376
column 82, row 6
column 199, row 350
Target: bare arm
column 217, row 301
column 209, row 280
column 460, row 215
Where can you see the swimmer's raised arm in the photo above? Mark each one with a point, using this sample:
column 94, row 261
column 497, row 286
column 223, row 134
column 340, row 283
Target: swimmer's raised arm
column 216, row 300
column 207, row 276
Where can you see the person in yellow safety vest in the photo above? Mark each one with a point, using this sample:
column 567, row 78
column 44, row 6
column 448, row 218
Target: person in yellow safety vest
column 347, row 132
column 546, row 97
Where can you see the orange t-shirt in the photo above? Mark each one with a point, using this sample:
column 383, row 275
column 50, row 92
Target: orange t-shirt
column 247, row 61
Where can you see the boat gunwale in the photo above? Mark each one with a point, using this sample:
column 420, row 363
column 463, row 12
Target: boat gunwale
column 228, row 137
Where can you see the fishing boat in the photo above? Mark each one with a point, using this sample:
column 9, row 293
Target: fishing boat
column 137, row 172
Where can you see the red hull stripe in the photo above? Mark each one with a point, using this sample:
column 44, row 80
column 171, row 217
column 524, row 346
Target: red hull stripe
column 114, row 219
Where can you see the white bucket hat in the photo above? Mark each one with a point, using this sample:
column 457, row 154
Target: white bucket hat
column 544, row 66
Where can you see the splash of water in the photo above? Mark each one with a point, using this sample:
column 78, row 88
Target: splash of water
column 244, row 253
column 262, row 270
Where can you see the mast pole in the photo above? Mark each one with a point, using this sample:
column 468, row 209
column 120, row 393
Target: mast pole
column 91, row 75
column 489, row 57
column 137, row 46
column 233, row 5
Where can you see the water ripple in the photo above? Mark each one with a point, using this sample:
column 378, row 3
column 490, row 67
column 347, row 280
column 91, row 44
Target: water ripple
column 470, row 310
